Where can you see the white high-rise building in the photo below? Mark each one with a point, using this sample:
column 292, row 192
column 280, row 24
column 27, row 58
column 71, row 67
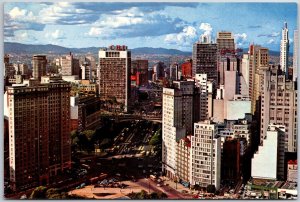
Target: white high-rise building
column 295, row 55
column 176, row 122
column 205, row 163
column 284, row 50
column 205, row 100
column 268, row 162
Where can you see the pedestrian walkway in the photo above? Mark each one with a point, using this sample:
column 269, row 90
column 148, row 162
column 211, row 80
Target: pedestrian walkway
column 179, row 187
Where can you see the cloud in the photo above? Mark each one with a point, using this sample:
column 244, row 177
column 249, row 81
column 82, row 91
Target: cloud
column 24, row 37
column 185, row 38
column 240, row 39
column 271, row 41
column 94, row 32
column 273, row 34
column 133, row 22
column 207, row 28
column 254, row 26
column 57, row 34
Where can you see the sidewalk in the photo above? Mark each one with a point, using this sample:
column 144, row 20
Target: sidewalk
column 180, row 187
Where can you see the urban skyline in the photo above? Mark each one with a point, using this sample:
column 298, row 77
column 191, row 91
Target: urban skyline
column 109, row 122
column 156, row 24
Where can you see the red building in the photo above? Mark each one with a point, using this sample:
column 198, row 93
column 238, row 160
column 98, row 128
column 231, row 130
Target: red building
column 186, row 69
column 140, row 71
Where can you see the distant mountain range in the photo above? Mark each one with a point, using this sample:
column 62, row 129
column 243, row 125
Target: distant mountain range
column 18, row 48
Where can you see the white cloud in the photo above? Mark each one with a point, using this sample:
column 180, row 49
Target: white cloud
column 242, row 36
column 207, row 28
column 271, row 41
column 240, row 39
column 94, row 31
column 21, row 14
column 17, row 12
column 275, row 34
column 184, row 38
column 57, row 34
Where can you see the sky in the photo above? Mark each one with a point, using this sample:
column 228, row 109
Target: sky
column 167, row 25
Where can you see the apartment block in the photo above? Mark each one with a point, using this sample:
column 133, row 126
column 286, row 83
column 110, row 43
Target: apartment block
column 205, row 161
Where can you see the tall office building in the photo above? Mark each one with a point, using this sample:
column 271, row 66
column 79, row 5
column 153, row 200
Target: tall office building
column 114, row 81
column 295, row 55
column 69, row 65
column 205, row 59
column 227, row 63
column 203, row 98
column 258, row 60
column 39, row 133
column 183, row 159
column 268, row 161
column 177, row 122
column 159, row 71
column 279, row 106
column 284, row 50
column 39, row 63
column 225, row 42
column 140, row 68
column 205, row 160
column 186, row 69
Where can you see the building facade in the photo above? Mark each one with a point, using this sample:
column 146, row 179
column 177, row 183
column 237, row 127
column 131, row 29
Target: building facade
column 279, row 105
column 205, row 60
column 284, row 49
column 114, row 81
column 205, row 160
column 177, row 121
column 39, row 133
column 268, row 161
column 295, row 55
column 39, row 63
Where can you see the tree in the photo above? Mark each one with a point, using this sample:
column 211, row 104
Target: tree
column 53, row 193
column 156, row 139
column 197, row 187
column 162, row 195
column 211, row 188
column 38, row 193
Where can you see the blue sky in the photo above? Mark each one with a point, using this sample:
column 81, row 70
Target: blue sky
column 169, row 25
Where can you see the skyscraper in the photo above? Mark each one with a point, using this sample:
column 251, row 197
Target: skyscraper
column 177, row 121
column 39, row 133
column 114, row 81
column 39, row 63
column 279, row 106
column 69, row 65
column 284, row 50
column 295, row 55
column 225, row 42
column 205, row 59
